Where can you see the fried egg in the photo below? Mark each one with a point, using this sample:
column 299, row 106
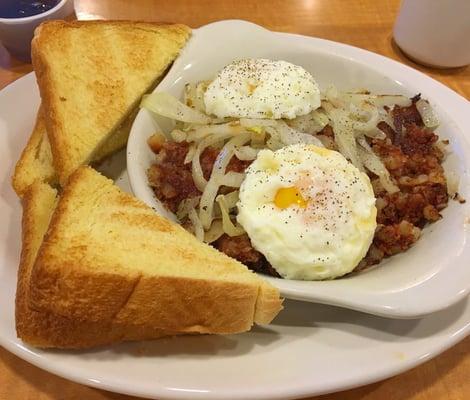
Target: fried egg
column 308, row 210
column 260, row 88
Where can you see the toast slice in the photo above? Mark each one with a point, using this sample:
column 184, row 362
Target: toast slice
column 45, row 329
column 108, row 257
column 36, row 164
column 91, row 75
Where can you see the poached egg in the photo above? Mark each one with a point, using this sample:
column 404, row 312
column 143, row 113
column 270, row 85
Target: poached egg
column 260, row 88
column 308, row 210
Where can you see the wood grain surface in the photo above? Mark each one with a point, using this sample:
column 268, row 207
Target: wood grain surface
column 362, row 23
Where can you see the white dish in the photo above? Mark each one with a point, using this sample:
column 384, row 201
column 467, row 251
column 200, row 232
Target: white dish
column 309, row 349
column 435, row 270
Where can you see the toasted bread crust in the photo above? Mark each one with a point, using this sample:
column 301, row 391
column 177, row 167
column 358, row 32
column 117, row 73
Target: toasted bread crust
column 45, row 329
column 115, row 63
column 36, row 165
column 35, row 162
column 72, row 278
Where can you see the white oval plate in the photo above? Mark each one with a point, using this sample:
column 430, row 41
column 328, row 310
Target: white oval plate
column 435, row 270
column 309, row 349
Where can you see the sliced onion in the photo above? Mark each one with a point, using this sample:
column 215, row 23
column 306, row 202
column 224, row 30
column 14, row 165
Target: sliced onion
column 376, row 133
column 288, row 135
column 217, row 176
column 198, row 175
column 274, row 144
column 331, row 94
column 344, row 138
column 246, row 153
column 201, row 88
column 206, row 206
column 385, row 116
column 189, row 94
column 452, row 179
column 257, row 123
column 320, row 118
column 229, row 227
column 190, row 154
column 373, row 163
column 232, row 199
column 186, row 205
column 377, row 100
column 428, row 115
column 168, row 106
column 443, row 146
column 223, row 130
column 368, row 112
column 327, row 142
column 215, row 231
column 258, row 137
column 343, row 128
column 232, row 179
column 178, row 135
column 197, row 226
column 311, row 123
column 194, row 95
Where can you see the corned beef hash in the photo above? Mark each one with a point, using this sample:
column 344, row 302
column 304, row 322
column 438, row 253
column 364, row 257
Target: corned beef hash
column 294, row 182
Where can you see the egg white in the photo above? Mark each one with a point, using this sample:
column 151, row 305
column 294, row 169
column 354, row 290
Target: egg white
column 330, row 235
column 260, row 88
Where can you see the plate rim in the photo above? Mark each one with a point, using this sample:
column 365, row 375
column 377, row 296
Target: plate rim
column 76, row 374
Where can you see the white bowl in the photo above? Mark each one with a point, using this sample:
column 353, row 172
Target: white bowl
column 430, row 276
column 16, row 33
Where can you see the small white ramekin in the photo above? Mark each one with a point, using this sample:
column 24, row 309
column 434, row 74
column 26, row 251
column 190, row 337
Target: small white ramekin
column 16, row 33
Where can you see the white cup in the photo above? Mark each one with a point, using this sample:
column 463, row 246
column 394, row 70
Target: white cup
column 16, row 33
column 434, row 32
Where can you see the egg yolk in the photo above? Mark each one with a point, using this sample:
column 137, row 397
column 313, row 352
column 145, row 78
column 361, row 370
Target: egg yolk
column 286, row 197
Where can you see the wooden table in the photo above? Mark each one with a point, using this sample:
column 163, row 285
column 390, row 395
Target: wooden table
column 362, row 23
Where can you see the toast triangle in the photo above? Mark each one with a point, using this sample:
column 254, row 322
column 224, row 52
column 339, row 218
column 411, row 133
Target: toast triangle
column 36, row 165
column 108, row 257
column 35, row 162
column 45, row 329
column 91, row 75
